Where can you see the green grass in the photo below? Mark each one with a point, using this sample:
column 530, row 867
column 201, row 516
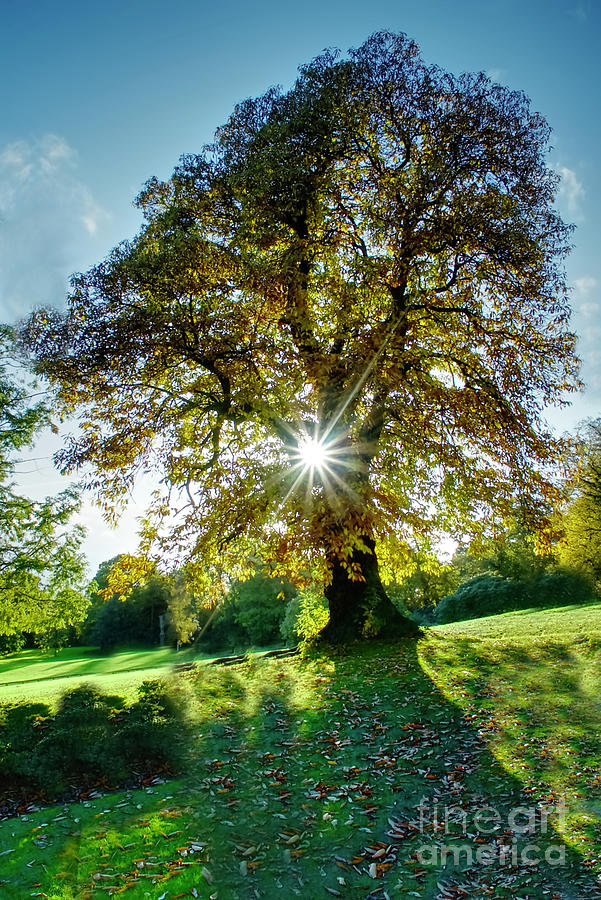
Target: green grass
column 41, row 675
column 306, row 776
column 45, row 675
column 39, row 665
column 533, row 681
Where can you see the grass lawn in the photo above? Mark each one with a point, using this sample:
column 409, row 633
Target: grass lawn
column 331, row 776
column 42, row 675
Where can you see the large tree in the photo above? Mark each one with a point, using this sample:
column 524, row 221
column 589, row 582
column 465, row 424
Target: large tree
column 337, row 328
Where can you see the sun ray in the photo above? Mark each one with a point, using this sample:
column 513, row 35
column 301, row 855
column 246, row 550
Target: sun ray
column 314, row 454
column 362, row 379
column 292, row 489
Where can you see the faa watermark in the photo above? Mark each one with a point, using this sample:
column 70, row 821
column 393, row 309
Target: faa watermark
column 484, row 836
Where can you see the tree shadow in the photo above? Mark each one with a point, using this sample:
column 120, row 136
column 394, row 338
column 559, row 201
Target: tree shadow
column 347, row 775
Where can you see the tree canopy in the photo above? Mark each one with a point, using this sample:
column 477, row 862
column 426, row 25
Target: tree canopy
column 338, row 328
column 41, row 567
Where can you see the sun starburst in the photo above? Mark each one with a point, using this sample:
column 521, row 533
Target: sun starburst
column 314, row 455
column 320, row 460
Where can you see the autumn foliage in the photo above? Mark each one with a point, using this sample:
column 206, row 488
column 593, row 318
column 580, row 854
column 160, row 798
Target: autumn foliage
column 371, row 259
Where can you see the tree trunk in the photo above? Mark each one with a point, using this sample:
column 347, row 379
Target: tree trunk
column 362, row 609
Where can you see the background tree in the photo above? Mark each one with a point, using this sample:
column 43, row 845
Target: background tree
column 251, row 613
column 41, row 567
column 580, row 546
column 337, row 328
column 128, row 597
column 259, row 606
column 425, row 582
column 510, row 552
column 184, row 610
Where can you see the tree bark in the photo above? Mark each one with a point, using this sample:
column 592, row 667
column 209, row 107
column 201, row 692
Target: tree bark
column 362, row 608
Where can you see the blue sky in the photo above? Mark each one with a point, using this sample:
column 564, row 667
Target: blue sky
column 96, row 97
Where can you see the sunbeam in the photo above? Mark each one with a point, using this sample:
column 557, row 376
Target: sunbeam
column 314, row 454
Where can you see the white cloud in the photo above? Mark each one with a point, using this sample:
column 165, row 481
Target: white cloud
column 53, row 152
column 589, row 310
column 47, row 214
column 586, row 306
column 495, row 74
column 571, row 190
column 90, row 224
column 584, row 285
column 104, row 541
column 16, row 159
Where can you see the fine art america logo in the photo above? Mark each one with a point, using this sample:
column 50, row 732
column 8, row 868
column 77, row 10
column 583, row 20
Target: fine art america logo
column 483, row 836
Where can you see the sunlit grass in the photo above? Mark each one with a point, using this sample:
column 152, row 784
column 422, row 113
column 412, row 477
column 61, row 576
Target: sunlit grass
column 40, row 675
column 299, row 764
column 44, row 676
column 533, row 682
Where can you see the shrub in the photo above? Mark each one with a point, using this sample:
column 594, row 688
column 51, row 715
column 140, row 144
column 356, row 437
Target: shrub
column 91, row 737
column 306, row 614
column 484, row 595
column 22, row 727
column 150, row 732
column 79, row 742
column 488, row 595
column 11, row 643
column 562, row 588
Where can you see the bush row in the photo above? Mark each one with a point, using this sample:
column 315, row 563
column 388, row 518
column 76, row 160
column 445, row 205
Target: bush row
column 92, row 738
column 488, row 595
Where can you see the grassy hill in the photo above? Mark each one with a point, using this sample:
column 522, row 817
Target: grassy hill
column 44, row 676
column 376, row 773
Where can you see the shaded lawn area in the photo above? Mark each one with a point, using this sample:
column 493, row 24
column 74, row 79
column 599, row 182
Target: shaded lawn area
column 307, row 777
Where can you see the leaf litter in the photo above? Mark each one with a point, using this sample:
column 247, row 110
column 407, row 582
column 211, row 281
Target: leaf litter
column 330, row 808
